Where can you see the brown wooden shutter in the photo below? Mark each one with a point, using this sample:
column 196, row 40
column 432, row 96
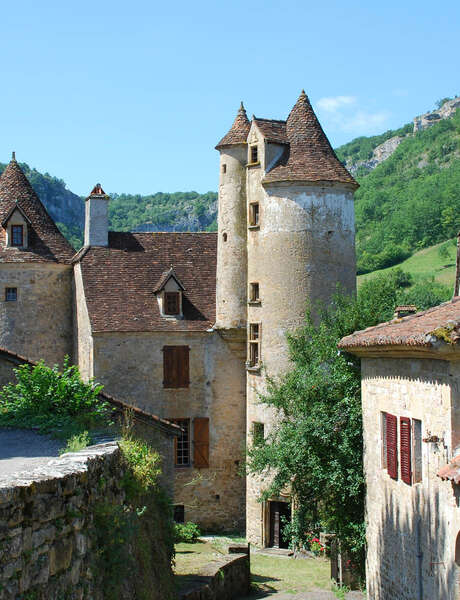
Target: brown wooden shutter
column 201, row 442
column 392, row 446
column 168, row 366
column 176, row 366
column 406, row 460
column 183, row 366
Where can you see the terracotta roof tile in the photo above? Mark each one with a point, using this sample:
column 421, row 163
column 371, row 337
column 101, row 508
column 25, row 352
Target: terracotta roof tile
column 310, row 156
column 45, row 242
column 165, row 277
column 119, row 281
column 272, row 130
column 421, row 329
column 238, row 132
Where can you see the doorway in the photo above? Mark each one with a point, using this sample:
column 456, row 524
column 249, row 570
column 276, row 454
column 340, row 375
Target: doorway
column 280, row 513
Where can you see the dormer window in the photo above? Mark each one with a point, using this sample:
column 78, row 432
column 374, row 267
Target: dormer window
column 172, row 303
column 17, row 235
column 254, row 154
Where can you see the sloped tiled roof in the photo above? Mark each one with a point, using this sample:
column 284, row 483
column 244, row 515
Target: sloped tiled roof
column 309, row 156
column 272, row 130
column 119, row 281
column 165, row 277
column 45, row 242
column 238, row 132
column 422, row 329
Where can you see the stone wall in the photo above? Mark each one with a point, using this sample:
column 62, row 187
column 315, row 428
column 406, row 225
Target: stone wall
column 130, row 365
column 39, row 324
column 47, row 547
column 411, row 529
column 223, row 579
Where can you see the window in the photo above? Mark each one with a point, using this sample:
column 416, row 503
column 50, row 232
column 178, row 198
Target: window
column 258, row 433
column 176, row 367
column 201, row 442
column 383, row 436
column 182, row 444
column 254, row 344
column 405, row 449
column 224, row 168
column 417, row 450
column 254, row 292
column 254, row 155
column 17, row 235
column 224, row 236
column 254, row 214
column 172, row 303
column 390, row 444
column 179, row 513
column 11, row 294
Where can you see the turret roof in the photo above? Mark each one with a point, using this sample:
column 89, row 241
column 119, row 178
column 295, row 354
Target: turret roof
column 309, row 155
column 45, row 242
column 238, row 133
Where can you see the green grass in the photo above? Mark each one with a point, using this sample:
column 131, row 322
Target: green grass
column 429, row 263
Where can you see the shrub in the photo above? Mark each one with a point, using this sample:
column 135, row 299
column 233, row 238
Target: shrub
column 186, row 532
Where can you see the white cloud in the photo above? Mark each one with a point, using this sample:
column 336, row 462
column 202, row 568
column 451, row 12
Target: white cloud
column 364, row 121
column 333, row 103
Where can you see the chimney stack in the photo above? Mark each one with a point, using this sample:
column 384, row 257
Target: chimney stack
column 405, row 311
column 97, row 218
column 457, row 268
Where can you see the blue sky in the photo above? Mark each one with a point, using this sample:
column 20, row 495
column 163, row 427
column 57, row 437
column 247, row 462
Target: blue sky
column 136, row 94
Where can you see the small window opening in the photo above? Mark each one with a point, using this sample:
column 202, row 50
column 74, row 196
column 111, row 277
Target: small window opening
column 417, row 450
column 254, row 154
column 224, row 168
column 254, row 344
column 11, row 294
column 254, row 292
column 225, row 237
column 172, row 303
column 254, row 214
column 182, row 443
column 258, row 433
column 179, row 513
column 17, row 235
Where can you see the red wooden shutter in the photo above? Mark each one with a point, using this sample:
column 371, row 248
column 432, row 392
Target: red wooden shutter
column 392, row 446
column 201, row 442
column 406, row 459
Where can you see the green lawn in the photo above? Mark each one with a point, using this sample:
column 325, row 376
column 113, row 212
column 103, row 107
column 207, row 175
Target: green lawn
column 269, row 573
column 427, row 263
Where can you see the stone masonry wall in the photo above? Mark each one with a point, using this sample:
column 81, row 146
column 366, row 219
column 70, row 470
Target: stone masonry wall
column 411, row 529
column 130, row 365
column 46, row 519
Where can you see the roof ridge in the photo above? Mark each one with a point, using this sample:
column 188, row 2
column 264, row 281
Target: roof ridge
column 270, row 120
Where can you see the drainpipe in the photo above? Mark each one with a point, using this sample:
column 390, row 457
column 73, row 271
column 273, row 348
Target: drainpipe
column 419, row 555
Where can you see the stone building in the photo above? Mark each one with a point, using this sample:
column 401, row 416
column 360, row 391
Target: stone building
column 188, row 325
column 411, row 417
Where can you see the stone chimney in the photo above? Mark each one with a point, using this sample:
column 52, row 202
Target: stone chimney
column 97, row 218
column 457, row 268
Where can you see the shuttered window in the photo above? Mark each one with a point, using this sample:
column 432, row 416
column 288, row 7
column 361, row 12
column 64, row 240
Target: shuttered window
column 417, row 451
column 405, row 452
column 176, row 367
column 392, row 445
column 182, row 443
column 201, row 442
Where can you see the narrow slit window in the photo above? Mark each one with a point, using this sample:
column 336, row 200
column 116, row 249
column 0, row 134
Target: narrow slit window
column 254, row 214
column 254, row 345
column 182, row 443
column 254, row 156
column 11, row 294
column 254, row 292
column 224, row 168
column 172, row 303
column 17, row 235
column 383, row 437
column 258, row 433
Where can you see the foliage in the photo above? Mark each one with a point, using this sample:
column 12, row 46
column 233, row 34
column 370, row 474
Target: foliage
column 361, row 148
column 52, row 400
column 77, row 442
column 144, row 466
column 316, row 446
column 186, row 532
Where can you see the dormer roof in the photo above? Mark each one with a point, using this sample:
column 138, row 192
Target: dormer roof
column 238, row 133
column 45, row 242
column 309, row 155
column 13, row 209
column 165, row 277
column 273, row 131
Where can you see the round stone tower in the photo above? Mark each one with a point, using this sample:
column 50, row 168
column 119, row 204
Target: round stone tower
column 35, row 274
column 232, row 231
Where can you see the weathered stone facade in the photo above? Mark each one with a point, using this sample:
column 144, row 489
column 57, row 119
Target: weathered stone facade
column 47, row 543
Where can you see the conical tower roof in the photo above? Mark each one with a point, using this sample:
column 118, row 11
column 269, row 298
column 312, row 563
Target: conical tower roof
column 309, row 156
column 45, row 242
column 238, row 133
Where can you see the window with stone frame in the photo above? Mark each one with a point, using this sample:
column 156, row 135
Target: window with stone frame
column 254, row 292
column 258, row 433
column 253, row 154
column 254, row 345
column 182, row 443
column 172, row 303
column 17, row 235
column 11, row 294
column 254, row 214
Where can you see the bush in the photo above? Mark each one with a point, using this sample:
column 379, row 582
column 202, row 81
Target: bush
column 186, row 532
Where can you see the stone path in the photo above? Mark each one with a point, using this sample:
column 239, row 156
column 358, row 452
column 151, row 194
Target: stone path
column 318, row 595
column 23, row 450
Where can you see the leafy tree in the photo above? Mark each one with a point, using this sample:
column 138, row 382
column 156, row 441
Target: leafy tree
column 316, row 444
